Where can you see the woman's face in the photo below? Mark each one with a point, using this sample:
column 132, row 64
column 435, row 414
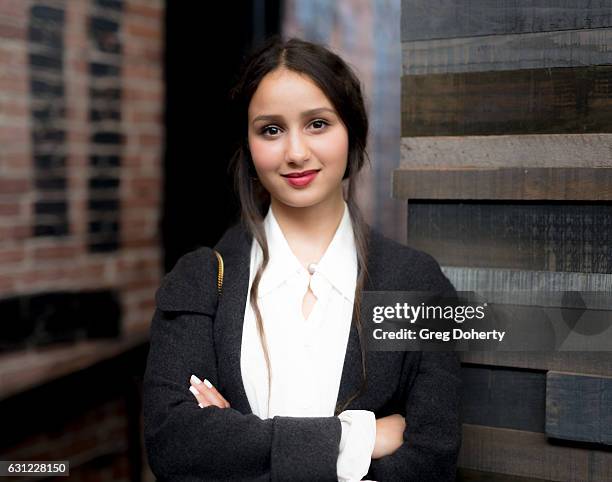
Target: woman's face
column 293, row 128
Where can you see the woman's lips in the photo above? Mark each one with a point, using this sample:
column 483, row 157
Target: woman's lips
column 302, row 179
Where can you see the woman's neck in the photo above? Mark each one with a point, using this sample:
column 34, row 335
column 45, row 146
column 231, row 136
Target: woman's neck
column 309, row 230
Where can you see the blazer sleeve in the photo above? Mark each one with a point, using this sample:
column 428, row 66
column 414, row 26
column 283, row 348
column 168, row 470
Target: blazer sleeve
column 186, row 442
column 432, row 437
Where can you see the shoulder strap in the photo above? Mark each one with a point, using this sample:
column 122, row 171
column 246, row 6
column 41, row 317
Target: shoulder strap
column 219, row 271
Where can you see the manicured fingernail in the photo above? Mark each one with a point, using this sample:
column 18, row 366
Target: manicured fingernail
column 200, row 405
column 207, row 383
column 194, row 390
column 195, row 379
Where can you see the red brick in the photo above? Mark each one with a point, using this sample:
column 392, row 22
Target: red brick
column 135, row 71
column 14, row 8
column 150, row 242
column 93, row 273
column 144, row 31
column 140, row 202
column 144, row 185
column 13, row 85
column 148, row 305
column 8, row 31
column 15, row 185
column 56, row 252
column 17, row 112
column 149, row 11
column 12, row 255
column 140, row 264
column 39, row 276
column 8, row 283
column 15, row 233
column 135, row 94
column 15, row 160
column 149, row 284
column 139, row 116
column 9, row 209
column 14, row 134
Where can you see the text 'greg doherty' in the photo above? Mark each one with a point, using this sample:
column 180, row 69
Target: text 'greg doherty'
column 412, row 313
column 429, row 335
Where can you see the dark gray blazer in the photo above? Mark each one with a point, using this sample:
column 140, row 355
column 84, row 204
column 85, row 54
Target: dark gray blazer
column 187, row 443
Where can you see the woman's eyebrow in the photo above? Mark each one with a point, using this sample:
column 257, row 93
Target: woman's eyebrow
column 306, row 113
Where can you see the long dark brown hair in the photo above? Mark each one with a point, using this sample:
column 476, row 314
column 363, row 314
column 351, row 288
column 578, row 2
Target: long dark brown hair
column 342, row 87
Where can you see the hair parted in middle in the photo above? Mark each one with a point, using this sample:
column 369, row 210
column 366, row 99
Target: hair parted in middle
column 343, row 89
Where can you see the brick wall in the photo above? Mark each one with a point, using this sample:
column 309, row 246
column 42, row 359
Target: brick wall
column 81, row 102
column 81, row 137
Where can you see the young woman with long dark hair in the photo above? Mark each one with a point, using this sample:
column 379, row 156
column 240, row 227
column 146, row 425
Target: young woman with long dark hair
column 269, row 378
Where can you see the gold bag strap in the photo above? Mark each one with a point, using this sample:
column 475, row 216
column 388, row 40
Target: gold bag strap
column 220, row 271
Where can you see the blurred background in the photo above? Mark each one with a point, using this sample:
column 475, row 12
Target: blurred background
column 490, row 146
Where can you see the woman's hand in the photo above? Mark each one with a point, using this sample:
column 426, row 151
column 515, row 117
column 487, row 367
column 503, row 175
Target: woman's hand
column 206, row 394
column 389, row 435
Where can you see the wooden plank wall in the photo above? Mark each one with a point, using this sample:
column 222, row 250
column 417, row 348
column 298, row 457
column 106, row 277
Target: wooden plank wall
column 506, row 164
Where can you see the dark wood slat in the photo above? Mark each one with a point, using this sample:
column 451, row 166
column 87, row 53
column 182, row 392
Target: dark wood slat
column 525, row 236
column 579, row 407
column 531, row 101
column 595, row 363
column 470, row 475
column 529, row 454
column 513, row 183
column 570, row 48
column 541, row 288
column 601, row 467
column 502, row 397
column 423, row 19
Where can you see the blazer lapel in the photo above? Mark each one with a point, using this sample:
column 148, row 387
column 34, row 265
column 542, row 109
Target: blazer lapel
column 351, row 371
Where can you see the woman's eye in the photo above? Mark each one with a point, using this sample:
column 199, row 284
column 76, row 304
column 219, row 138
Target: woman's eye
column 319, row 124
column 272, row 130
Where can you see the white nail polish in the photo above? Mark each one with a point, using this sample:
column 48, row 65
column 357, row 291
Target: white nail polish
column 194, row 391
column 207, row 383
column 200, row 405
column 195, row 379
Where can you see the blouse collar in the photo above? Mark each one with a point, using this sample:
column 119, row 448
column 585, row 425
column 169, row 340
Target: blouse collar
column 338, row 265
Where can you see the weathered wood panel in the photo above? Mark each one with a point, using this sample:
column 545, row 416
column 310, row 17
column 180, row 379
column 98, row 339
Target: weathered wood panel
column 501, row 397
column 595, row 363
column 424, row 19
column 470, row 475
column 579, row 407
column 525, row 287
column 522, row 453
column 525, row 236
column 530, row 101
column 541, row 150
column 513, row 183
column 571, row 48
column 601, row 466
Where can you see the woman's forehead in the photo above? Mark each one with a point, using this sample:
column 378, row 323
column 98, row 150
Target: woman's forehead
column 287, row 93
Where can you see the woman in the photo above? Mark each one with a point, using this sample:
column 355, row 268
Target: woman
column 289, row 391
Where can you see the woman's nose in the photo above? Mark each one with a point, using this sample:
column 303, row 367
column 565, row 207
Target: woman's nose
column 297, row 150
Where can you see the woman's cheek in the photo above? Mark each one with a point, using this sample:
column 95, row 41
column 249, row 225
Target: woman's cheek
column 265, row 155
column 332, row 149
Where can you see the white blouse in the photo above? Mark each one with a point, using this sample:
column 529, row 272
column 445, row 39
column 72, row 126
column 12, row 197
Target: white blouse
column 306, row 355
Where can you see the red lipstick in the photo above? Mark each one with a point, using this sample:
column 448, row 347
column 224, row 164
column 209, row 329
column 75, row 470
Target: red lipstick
column 301, row 179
